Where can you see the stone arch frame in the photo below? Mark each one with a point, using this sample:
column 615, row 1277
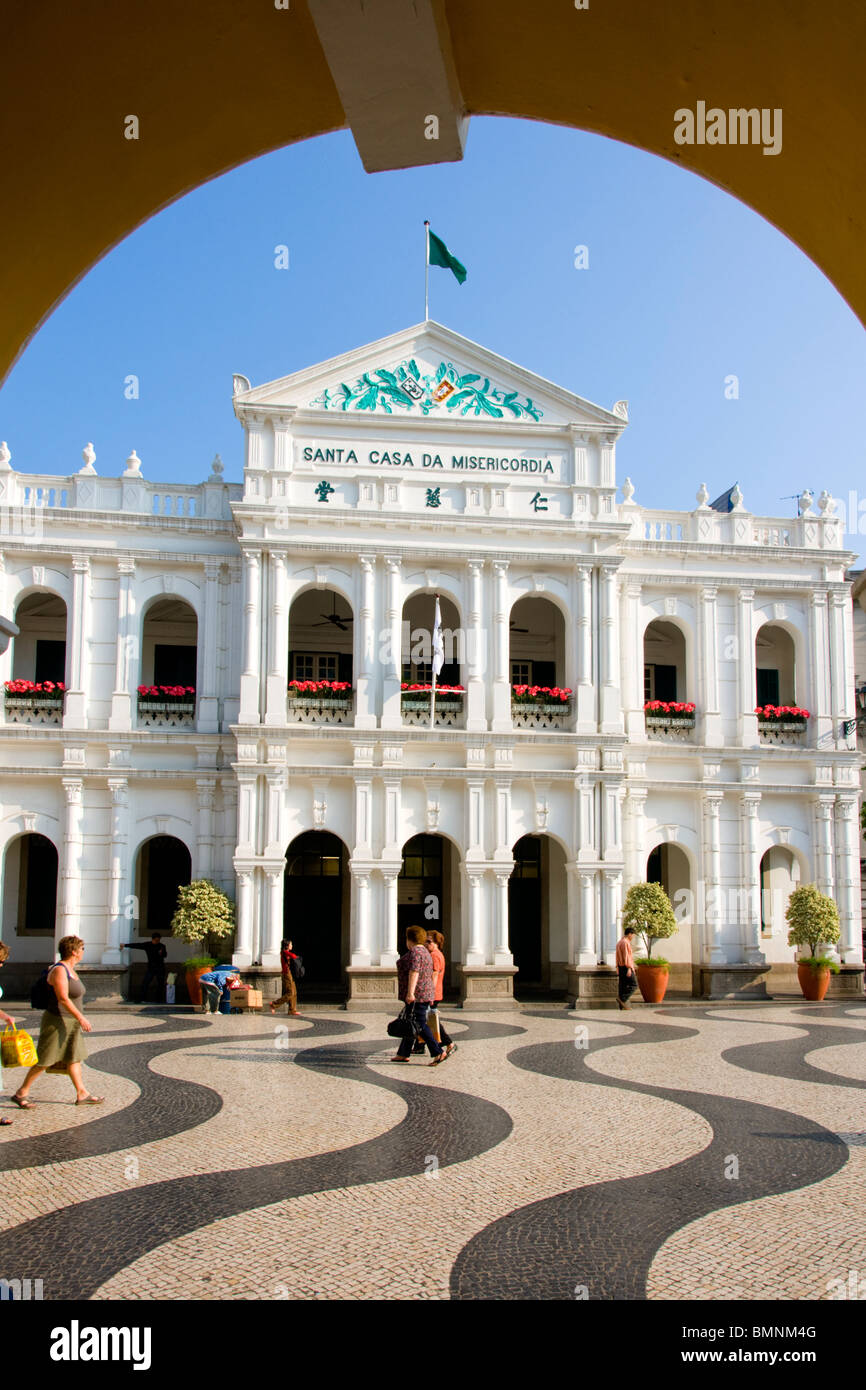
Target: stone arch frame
column 49, row 829
column 298, row 585
column 556, row 592
column 764, row 617
column 687, row 840
column 455, row 933
column 773, row 839
column 347, row 900
column 654, row 613
column 548, row 961
column 136, row 863
column 143, row 598
column 16, row 596
column 447, row 591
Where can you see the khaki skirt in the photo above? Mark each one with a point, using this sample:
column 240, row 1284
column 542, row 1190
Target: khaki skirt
column 61, row 1041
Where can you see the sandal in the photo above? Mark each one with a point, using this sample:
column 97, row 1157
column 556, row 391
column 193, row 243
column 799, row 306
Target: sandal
column 401, row 1059
column 90, row 1100
column 6, row 1122
column 22, row 1102
column 436, row 1060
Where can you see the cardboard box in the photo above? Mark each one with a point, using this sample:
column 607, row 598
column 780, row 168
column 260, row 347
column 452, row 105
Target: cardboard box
column 246, row 998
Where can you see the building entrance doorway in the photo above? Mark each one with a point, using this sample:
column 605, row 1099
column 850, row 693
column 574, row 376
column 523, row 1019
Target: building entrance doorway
column 420, row 886
column 525, row 912
column 314, row 907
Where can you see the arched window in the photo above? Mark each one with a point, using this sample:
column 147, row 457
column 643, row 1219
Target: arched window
column 775, row 673
column 39, row 650
column 164, row 864
column 30, row 887
column 320, row 637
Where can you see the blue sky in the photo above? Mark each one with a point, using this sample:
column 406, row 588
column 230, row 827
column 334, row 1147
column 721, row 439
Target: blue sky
column 684, row 286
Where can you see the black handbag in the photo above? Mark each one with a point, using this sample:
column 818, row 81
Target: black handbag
column 403, row 1026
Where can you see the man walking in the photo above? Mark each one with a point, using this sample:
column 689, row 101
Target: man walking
column 626, row 979
column 156, row 954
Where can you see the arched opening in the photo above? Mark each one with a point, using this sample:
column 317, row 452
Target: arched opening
column 30, row 887
column 537, row 643
column 320, row 637
column 775, row 670
column 169, row 645
column 664, row 657
column 316, row 907
column 779, row 875
column 668, row 864
column 39, row 650
column 538, row 915
column 426, row 888
column 163, row 865
column 417, row 640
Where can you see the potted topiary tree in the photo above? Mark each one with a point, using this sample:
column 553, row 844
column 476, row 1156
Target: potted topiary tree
column 204, row 914
column 813, row 921
column 648, row 909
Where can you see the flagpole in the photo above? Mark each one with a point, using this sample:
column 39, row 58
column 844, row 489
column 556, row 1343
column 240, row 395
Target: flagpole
column 427, row 272
column 433, row 674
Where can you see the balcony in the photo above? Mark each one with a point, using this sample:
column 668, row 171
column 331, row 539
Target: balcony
column 448, row 712
column 26, row 702
column 320, row 702
column 166, row 707
column 669, row 721
column 782, row 726
column 540, row 707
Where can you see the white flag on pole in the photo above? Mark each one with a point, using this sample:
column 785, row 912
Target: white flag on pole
column 438, row 644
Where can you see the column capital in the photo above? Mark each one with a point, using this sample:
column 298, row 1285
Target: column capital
column 712, row 803
column 126, row 566
column 72, row 788
column 119, row 788
column 81, row 564
column 212, row 567
column 750, row 801
column 709, row 592
column 846, row 807
column 367, row 563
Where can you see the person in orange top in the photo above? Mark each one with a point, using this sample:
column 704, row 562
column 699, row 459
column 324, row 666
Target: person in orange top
column 626, row 978
column 435, row 942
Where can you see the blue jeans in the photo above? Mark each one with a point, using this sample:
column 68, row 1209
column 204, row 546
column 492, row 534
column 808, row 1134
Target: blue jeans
column 406, row 1044
column 210, row 996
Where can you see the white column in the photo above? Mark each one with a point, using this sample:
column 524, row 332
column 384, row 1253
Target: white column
column 611, row 707
column 476, row 655
column 587, row 846
column 501, row 951
column 502, row 650
column 587, row 719
column 250, row 679
column 588, row 941
column 391, row 716
column 390, row 948
column 612, row 895
column 848, row 879
column 632, row 670
column 706, row 695
column 747, row 686
column 73, row 857
column 502, row 792
column 713, row 915
column 366, row 684
column 842, row 681
column 476, row 953
column 75, row 712
column 824, row 874
column 127, row 654
column 278, row 640
column 275, row 789
column 118, row 868
column 612, row 794
column 244, row 916
column 362, row 936
column 208, row 702
column 206, row 796
column 272, row 936
column 246, row 814
column 636, row 798
column 821, row 722
column 363, row 817
column 751, row 878
column 393, row 846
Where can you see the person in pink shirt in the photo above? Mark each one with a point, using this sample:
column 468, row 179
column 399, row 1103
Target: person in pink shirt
column 626, row 978
column 435, row 942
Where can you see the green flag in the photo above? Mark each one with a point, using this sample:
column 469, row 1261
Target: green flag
column 440, row 255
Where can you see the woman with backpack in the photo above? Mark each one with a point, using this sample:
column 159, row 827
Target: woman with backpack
column 61, row 1046
column 291, row 967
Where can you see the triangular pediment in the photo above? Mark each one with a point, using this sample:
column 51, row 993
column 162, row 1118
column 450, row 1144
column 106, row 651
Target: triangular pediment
column 428, row 371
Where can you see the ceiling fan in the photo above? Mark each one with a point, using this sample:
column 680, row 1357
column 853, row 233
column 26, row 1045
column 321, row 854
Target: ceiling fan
column 334, row 618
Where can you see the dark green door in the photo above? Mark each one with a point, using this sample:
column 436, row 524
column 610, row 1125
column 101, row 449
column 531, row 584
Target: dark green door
column 313, row 905
column 524, row 911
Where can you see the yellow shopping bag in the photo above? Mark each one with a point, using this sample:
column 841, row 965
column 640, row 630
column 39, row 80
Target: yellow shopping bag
column 17, row 1048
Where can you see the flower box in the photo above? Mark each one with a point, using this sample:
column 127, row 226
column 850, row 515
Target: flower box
column 779, row 726
column 670, row 721
column 556, row 697
column 781, row 716
column 147, row 706
column 304, row 698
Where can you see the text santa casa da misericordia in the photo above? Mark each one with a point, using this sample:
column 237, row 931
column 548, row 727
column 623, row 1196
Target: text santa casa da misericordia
column 399, row 458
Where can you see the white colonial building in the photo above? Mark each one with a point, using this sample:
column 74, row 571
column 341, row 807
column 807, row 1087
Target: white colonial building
column 340, row 813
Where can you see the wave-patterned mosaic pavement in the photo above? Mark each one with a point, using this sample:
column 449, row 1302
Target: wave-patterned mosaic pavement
column 698, row 1152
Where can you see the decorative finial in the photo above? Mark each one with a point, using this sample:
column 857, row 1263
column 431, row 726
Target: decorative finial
column 627, row 490
column 826, row 504
column 133, row 466
column 5, row 456
column 88, row 453
column 805, row 502
column 702, row 495
column 736, row 496
column 217, row 467
column 620, row 409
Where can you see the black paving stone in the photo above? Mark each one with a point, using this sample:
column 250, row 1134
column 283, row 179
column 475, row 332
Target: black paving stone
column 604, row 1237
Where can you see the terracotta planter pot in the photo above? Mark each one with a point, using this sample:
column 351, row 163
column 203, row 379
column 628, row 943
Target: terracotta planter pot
column 652, row 982
column 192, row 983
column 813, row 983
